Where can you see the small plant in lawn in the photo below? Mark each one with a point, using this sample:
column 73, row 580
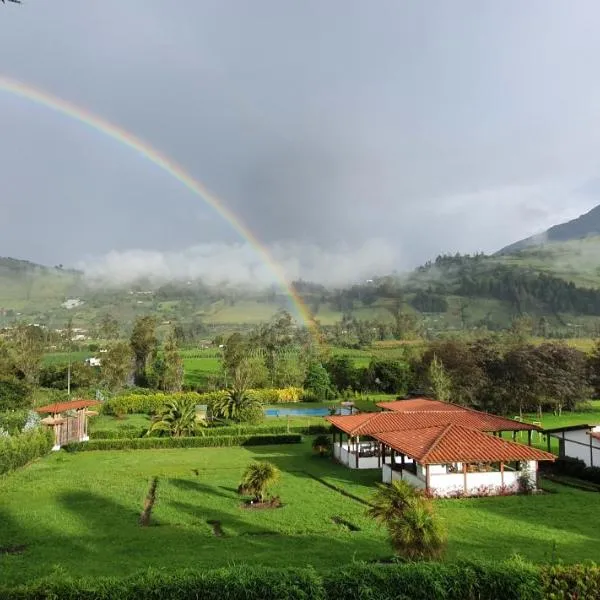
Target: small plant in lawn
column 322, row 445
column 257, row 479
column 149, row 503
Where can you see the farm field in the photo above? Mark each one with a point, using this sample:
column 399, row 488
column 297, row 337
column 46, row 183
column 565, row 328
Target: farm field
column 74, row 509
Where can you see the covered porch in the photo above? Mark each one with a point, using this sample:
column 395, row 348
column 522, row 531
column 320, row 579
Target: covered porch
column 455, row 461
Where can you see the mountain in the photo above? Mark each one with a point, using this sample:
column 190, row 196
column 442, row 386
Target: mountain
column 583, row 226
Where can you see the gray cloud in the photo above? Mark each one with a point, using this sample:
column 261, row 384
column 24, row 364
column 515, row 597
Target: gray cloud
column 397, row 128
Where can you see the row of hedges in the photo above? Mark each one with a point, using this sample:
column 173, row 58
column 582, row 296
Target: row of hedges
column 18, row 450
column 417, row 581
column 132, row 432
column 575, row 467
column 185, row 442
column 149, row 404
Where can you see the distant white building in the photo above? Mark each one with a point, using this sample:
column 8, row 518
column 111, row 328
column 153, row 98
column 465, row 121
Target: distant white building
column 93, row 362
column 578, row 441
column 70, row 303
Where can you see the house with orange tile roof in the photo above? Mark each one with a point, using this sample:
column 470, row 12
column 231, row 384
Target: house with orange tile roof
column 441, row 447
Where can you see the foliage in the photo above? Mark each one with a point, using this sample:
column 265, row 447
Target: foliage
column 185, row 442
column 167, row 370
column 14, row 394
column 439, row 380
column 239, row 406
column 151, row 403
column 56, row 376
column 19, row 449
column 511, row 580
column 257, row 479
column 575, row 467
column 388, row 376
column 27, row 351
column 177, row 418
column 116, row 366
column 143, row 343
column 414, row 528
column 322, row 445
column 317, row 383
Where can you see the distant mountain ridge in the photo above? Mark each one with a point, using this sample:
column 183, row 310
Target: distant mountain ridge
column 583, row 226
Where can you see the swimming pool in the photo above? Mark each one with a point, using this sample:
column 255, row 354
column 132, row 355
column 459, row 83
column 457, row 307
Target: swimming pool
column 303, row 412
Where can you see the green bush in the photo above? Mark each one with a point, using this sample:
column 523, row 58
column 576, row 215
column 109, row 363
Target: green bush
column 571, row 581
column 185, row 442
column 20, row 449
column 13, row 420
column 575, row 467
column 424, row 581
column 147, row 404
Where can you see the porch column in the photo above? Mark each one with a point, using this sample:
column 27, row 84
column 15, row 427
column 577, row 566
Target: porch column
column 514, row 436
column 357, row 440
column 529, row 437
column 378, row 454
column 591, row 451
column 548, row 440
column 502, row 473
column 427, row 478
column 465, row 477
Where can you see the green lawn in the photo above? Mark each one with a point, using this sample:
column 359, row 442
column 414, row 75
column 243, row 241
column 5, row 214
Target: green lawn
column 80, row 511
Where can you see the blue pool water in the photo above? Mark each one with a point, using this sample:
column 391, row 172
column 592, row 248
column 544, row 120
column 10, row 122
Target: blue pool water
column 303, row 412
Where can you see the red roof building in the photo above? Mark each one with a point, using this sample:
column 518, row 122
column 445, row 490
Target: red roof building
column 67, row 427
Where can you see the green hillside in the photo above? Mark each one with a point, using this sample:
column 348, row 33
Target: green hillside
column 557, row 285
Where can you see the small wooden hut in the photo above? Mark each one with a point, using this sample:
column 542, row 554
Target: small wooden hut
column 69, row 420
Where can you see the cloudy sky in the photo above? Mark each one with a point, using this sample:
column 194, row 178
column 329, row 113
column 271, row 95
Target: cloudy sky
column 349, row 136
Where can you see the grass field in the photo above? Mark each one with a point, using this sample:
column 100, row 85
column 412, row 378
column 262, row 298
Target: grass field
column 71, row 510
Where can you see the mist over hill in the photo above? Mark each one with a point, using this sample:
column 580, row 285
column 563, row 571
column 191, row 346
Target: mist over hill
column 583, row 226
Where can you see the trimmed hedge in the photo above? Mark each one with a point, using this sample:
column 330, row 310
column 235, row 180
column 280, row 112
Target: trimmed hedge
column 510, row 580
column 138, row 432
column 150, row 403
column 185, row 442
column 18, row 450
column 575, row 467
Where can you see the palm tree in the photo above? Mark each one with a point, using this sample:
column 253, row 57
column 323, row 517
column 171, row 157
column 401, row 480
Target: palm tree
column 418, row 533
column 177, row 418
column 237, row 405
column 414, row 528
column 390, row 501
column 257, row 478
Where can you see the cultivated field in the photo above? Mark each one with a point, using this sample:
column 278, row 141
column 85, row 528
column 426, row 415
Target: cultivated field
column 69, row 510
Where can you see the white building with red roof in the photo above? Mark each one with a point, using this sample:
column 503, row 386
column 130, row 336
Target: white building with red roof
column 441, row 447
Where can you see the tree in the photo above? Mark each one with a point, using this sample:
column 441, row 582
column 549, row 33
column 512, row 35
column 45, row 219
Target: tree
column 439, row 380
column 322, row 445
column 257, row 479
column 27, row 351
column 116, row 366
column 239, row 406
column 343, row 373
column 414, row 528
column 143, row 343
column 177, row 418
column 388, row 376
column 289, row 369
column 317, row 383
column 594, row 369
column 172, row 377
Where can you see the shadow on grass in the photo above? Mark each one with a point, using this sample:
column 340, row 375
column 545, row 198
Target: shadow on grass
column 201, row 488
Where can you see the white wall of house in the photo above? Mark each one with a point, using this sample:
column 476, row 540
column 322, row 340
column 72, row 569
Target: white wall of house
column 343, row 455
column 577, row 445
column 445, row 484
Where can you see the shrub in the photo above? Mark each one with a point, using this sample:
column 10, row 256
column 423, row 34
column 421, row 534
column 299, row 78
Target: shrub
column 322, row 445
column 571, row 581
column 257, row 479
column 184, row 442
column 572, row 467
column 20, row 449
column 13, row 420
column 148, row 404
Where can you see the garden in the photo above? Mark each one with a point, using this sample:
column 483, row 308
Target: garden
column 83, row 508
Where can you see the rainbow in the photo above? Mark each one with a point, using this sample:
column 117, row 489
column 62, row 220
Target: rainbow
column 168, row 165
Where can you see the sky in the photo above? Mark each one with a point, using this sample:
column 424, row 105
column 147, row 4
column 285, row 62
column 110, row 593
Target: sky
column 352, row 138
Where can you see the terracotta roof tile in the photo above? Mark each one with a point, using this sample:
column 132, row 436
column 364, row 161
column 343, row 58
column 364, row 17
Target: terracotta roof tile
column 370, row 423
column 453, row 443
column 419, row 405
column 64, row 406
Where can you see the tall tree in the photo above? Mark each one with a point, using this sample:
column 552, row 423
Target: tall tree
column 440, row 381
column 143, row 343
column 172, row 379
column 28, row 350
column 116, row 366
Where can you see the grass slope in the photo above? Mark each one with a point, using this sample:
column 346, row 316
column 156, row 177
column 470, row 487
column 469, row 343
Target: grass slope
column 71, row 510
